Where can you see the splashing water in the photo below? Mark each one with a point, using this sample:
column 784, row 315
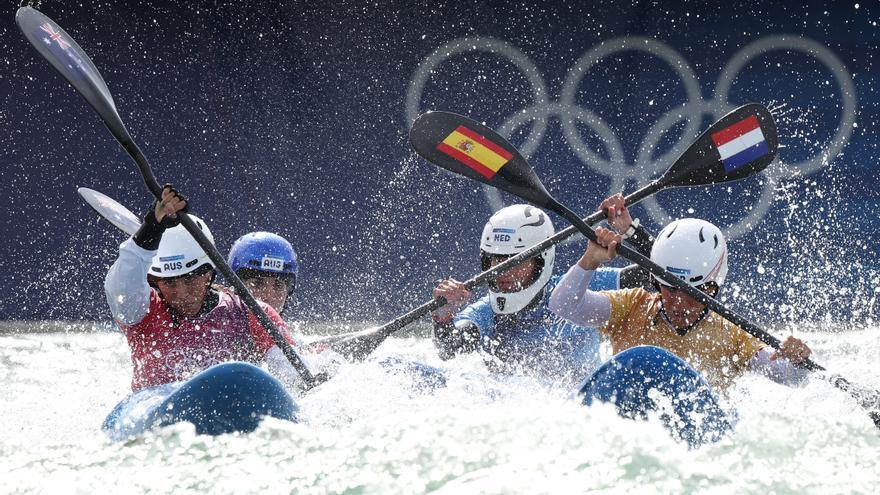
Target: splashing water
column 368, row 431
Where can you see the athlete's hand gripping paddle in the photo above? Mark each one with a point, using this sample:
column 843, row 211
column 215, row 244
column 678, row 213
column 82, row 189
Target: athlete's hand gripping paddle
column 71, row 61
column 742, row 139
column 436, row 137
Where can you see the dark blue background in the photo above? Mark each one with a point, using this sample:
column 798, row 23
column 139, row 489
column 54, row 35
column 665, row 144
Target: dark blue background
column 291, row 118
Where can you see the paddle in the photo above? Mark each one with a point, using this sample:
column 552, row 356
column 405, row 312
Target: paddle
column 473, row 150
column 698, row 165
column 110, row 210
column 69, row 59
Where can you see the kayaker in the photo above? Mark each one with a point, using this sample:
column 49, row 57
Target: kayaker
column 512, row 326
column 267, row 265
column 696, row 251
column 160, row 293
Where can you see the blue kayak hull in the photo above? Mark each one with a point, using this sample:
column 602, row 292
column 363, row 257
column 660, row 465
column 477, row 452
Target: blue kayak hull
column 647, row 379
column 425, row 378
column 228, row 397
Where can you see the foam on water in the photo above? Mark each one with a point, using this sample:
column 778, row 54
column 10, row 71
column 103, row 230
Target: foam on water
column 370, row 431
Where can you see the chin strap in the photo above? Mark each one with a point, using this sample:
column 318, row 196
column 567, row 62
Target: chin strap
column 500, row 301
column 682, row 330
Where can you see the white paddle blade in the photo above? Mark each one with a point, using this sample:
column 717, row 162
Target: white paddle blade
column 109, row 209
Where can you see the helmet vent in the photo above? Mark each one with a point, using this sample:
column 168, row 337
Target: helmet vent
column 702, row 239
column 716, row 240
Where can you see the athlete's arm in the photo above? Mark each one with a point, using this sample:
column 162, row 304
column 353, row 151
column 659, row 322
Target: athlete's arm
column 278, row 366
column 325, row 361
column 781, row 366
column 276, row 362
column 452, row 339
column 778, row 370
column 572, row 299
column 125, row 285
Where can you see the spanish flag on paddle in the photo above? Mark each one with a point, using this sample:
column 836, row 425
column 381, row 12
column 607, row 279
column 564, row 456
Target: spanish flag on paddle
column 466, row 147
column 475, row 151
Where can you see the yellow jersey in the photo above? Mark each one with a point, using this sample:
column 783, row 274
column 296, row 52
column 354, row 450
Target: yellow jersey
column 716, row 348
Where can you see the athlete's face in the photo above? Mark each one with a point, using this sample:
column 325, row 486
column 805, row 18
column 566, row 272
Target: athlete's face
column 517, row 277
column 185, row 294
column 682, row 309
column 271, row 290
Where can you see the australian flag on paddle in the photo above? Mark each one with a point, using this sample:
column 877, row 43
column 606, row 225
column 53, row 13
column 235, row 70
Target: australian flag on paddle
column 57, row 41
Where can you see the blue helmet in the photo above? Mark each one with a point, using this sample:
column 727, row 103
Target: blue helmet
column 264, row 252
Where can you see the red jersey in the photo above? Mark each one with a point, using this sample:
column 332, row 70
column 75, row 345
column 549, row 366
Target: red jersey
column 164, row 351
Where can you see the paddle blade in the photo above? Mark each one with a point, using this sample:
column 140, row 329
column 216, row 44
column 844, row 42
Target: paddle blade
column 740, row 144
column 69, row 59
column 468, row 148
column 110, row 210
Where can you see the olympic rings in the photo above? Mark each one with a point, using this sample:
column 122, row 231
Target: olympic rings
column 643, row 168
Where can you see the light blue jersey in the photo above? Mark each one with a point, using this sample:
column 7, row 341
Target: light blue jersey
column 535, row 341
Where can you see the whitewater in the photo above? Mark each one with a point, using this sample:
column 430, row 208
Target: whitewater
column 371, row 431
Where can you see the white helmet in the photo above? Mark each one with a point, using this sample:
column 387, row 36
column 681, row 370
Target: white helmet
column 179, row 253
column 693, row 250
column 509, row 231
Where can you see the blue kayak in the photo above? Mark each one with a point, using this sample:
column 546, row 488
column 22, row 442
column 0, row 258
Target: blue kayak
column 225, row 398
column 648, row 379
column 425, row 378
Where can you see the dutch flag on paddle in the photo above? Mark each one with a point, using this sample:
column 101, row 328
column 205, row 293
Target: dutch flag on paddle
column 740, row 143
